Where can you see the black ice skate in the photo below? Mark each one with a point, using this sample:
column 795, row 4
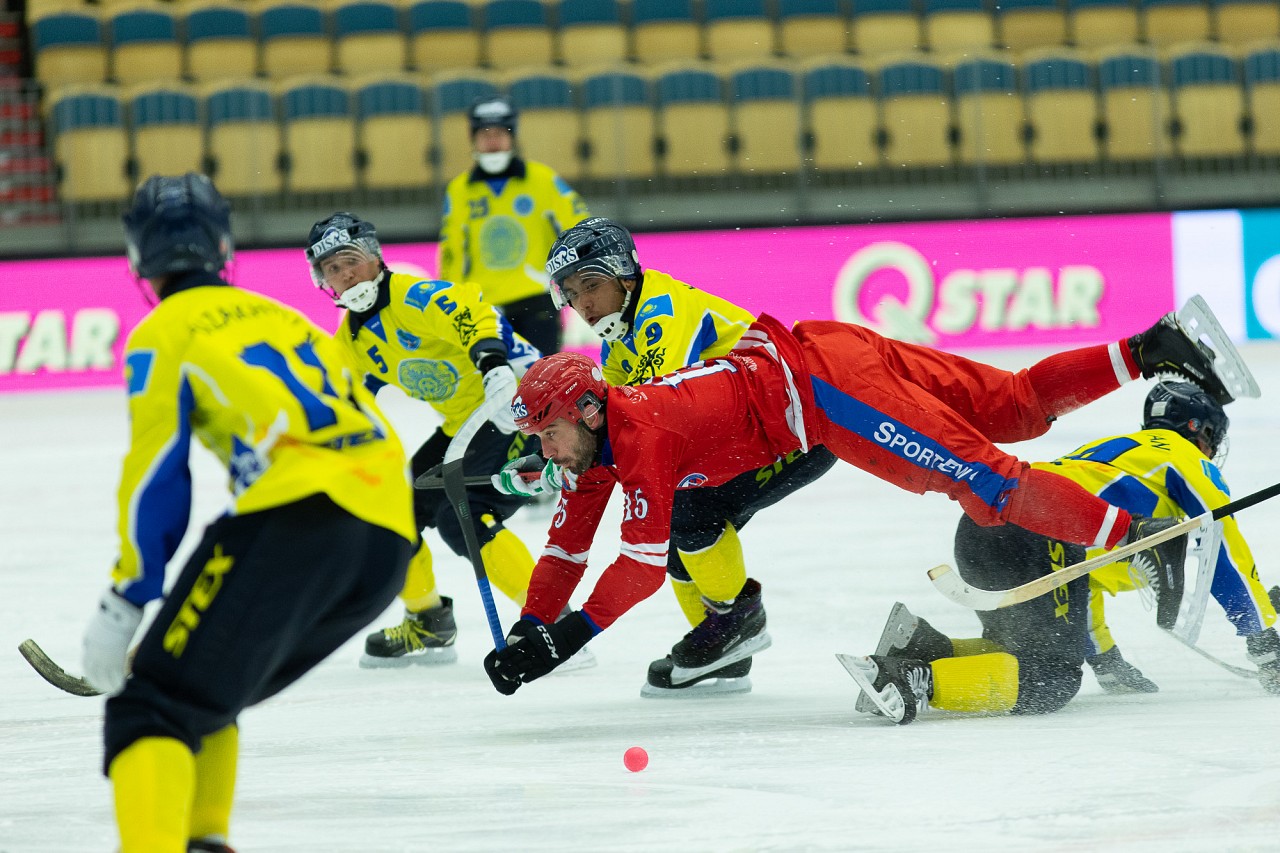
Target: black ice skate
column 207, row 845
column 726, row 635
column 1117, row 676
column 1264, row 650
column 907, row 635
column 727, row 679
column 899, row 688
column 422, row 638
column 1163, row 567
column 1174, row 345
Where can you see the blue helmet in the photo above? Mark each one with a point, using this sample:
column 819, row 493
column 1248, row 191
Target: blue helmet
column 1188, row 411
column 177, row 224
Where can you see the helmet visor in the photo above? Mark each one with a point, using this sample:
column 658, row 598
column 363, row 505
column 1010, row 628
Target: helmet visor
column 344, row 266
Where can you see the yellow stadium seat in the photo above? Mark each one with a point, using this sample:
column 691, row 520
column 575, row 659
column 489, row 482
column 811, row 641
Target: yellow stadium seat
column 1029, row 24
column 68, row 47
column 90, row 146
column 550, row 124
column 1169, row 22
column 765, row 111
column 294, row 39
column 1262, row 87
column 168, row 135
column 664, row 30
column 842, row 120
column 144, row 45
column 1102, row 23
column 592, row 33
column 1135, row 109
column 220, row 42
column 319, row 135
column 1062, row 107
column 394, row 132
column 737, row 29
column 694, row 122
column 811, row 28
column 455, row 92
column 880, row 27
column 1208, row 101
column 442, row 36
column 917, row 113
column 1240, row 22
column 368, row 38
column 516, row 33
column 618, row 125
column 989, row 112
column 244, row 141
column 957, row 25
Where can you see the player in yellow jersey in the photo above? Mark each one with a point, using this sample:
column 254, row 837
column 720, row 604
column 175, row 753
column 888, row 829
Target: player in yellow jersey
column 651, row 325
column 499, row 221
column 1030, row 656
column 443, row 344
column 313, row 547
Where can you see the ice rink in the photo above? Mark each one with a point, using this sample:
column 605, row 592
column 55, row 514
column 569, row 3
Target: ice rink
column 433, row 759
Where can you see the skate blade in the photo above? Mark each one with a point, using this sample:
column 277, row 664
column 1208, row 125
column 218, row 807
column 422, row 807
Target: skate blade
column 701, row 690
column 758, row 643
column 427, row 657
column 584, row 659
column 897, row 632
column 1198, row 321
column 887, row 702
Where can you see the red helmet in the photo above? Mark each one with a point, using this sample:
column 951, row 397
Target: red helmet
column 564, row 385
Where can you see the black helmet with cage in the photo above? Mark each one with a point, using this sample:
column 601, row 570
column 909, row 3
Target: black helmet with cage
column 344, row 235
column 1192, row 413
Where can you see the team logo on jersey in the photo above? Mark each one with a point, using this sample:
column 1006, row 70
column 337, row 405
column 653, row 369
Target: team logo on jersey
column 503, row 243
column 245, row 465
column 564, row 256
column 428, row 379
column 692, row 481
column 522, row 205
column 658, row 306
column 332, row 239
column 408, row 341
column 420, row 292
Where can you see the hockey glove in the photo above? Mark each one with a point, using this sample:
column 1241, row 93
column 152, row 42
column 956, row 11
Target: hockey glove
column 500, row 384
column 534, row 649
column 106, row 642
column 529, row 476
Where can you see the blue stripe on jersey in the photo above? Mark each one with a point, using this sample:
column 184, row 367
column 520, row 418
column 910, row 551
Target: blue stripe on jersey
column 1229, row 591
column 1106, row 452
column 375, row 325
column 902, row 441
column 702, row 341
column 1215, row 476
column 138, row 370
column 163, row 508
column 1130, row 494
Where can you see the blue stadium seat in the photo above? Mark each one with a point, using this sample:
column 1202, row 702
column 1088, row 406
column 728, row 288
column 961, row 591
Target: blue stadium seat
column 90, row 146
column 917, row 113
column 145, row 46
column 664, row 30
column 295, row 39
column 842, row 121
column 1208, row 101
column 368, row 37
column 812, row 28
column 1135, row 111
column 885, row 26
column 244, row 141
column 1028, row 24
column 737, row 29
column 1062, row 107
column 220, row 43
column 319, row 135
column 694, row 123
column 395, row 133
column 68, row 47
column 454, row 95
column 550, row 124
column 517, row 32
column 592, row 32
column 765, row 111
column 442, row 35
column 168, row 136
column 989, row 112
column 1262, row 88
column 618, row 125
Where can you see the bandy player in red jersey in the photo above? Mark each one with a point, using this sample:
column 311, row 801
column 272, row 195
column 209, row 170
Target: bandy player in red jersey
column 922, row 419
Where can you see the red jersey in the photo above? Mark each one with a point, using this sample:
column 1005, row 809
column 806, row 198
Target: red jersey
column 700, row 426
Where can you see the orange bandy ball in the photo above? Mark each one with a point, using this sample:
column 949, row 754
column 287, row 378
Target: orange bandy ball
column 635, row 759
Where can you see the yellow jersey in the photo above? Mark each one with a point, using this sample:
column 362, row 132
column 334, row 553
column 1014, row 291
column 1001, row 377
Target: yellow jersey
column 1159, row 473
column 418, row 336
column 271, row 396
column 498, row 231
column 674, row 325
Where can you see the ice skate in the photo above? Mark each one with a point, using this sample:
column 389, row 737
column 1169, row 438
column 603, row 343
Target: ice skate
column 208, row 845
column 725, row 636
column 584, row 659
column 422, row 638
column 907, row 635
column 898, row 688
column 1117, row 676
column 1264, row 650
column 1162, row 567
column 1174, row 345
column 719, row 682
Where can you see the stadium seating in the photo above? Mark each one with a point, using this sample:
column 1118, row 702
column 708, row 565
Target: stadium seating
column 989, row 112
column 319, row 134
column 1029, row 24
column 664, row 30
column 811, row 28
column 68, row 48
column 368, row 38
column 517, row 32
column 1168, row 22
column 1062, row 107
column 244, row 141
column 694, row 122
column 394, row 132
column 168, row 136
column 1135, row 110
column 1243, row 21
column 916, row 113
column 294, row 39
column 442, row 36
column 592, row 32
column 618, row 125
column 550, row 129
column 454, row 95
column 737, row 29
column 91, row 147
column 842, row 121
column 1208, row 102
column 765, row 110
column 1099, row 23
column 144, row 45
column 220, row 43
column 957, row 25
column 884, row 27
column 1262, row 88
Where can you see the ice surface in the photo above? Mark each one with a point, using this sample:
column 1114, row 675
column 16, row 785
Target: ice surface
column 432, row 759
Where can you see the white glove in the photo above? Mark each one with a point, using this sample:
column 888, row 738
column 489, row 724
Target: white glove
column 106, row 641
column 500, row 382
column 528, row 477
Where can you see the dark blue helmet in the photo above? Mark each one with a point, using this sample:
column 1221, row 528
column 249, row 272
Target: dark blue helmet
column 599, row 245
column 494, row 111
column 177, row 224
column 1188, row 411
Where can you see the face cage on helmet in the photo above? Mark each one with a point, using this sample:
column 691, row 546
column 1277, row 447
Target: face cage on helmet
column 613, row 266
column 365, row 248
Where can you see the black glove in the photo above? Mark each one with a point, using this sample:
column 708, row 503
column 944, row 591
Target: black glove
column 533, row 650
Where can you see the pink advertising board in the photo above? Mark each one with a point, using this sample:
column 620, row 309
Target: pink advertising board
column 1045, row 282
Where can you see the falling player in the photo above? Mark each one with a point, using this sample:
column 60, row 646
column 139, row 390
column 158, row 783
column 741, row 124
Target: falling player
column 1030, row 655
column 314, row 546
column 919, row 418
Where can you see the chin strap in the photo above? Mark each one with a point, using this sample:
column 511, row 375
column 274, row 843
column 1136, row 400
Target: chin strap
column 612, row 327
column 360, row 297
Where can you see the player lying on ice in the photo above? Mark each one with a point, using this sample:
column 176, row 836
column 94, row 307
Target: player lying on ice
column 651, row 325
column 1030, row 656
column 919, row 418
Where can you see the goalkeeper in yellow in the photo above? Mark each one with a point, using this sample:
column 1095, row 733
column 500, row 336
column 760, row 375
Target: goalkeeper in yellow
column 1030, row 656
column 313, row 546
column 441, row 343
